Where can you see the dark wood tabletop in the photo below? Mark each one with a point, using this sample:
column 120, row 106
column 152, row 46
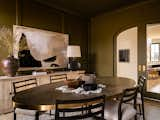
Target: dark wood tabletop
column 43, row 97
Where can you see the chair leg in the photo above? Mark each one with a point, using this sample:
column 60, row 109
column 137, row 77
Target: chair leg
column 37, row 115
column 135, row 117
column 140, row 109
column 89, row 111
column 82, row 111
column 143, row 113
column 14, row 115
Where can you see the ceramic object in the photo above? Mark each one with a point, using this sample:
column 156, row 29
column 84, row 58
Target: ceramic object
column 88, row 87
column 72, row 83
column 89, row 78
column 10, row 66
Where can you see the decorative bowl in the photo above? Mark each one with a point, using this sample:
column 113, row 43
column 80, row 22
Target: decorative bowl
column 72, row 83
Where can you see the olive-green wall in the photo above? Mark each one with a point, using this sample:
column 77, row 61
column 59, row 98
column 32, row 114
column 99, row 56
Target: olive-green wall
column 106, row 26
column 7, row 18
column 34, row 14
column 7, row 12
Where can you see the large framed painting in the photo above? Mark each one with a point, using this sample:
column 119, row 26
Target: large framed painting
column 40, row 48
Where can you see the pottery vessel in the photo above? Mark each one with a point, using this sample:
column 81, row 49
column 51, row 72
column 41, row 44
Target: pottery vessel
column 10, row 66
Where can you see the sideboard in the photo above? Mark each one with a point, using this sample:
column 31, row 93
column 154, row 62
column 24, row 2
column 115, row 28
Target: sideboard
column 6, row 87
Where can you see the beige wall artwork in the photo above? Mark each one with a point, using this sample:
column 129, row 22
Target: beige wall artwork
column 47, row 47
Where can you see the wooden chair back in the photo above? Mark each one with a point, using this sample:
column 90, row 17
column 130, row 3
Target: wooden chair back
column 80, row 109
column 141, row 84
column 58, row 78
column 24, row 84
column 128, row 96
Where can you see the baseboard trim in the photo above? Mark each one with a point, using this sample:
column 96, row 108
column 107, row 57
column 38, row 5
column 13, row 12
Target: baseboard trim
column 152, row 99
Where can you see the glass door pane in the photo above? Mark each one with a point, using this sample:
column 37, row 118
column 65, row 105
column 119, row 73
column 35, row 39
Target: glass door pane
column 153, row 60
column 154, row 52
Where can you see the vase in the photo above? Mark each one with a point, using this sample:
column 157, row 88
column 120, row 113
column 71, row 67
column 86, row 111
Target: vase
column 10, row 66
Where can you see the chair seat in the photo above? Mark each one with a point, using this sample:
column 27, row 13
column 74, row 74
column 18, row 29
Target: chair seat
column 111, row 111
column 138, row 99
column 25, row 112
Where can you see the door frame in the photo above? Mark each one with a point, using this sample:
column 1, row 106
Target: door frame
column 115, row 46
column 150, row 94
column 141, row 52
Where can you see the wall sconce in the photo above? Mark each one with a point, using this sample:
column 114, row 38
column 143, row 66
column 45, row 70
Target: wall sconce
column 73, row 52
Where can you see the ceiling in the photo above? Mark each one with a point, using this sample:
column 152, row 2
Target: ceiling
column 89, row 8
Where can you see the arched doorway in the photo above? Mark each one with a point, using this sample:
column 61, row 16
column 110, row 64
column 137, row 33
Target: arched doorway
column 126, row 51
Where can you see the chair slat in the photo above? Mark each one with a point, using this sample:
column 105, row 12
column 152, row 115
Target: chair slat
column 24, row 84
column 75, row 117
column 80, row 108
column 58, row 77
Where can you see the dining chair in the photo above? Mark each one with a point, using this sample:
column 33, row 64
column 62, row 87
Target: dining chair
column 121, row 110
column 80, row 109
column 140, row 96
column 24, row 84
column 81, row 73
column 58, row 78
column 20, row 86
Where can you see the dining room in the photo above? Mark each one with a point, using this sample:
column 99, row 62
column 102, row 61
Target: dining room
column 84, row 56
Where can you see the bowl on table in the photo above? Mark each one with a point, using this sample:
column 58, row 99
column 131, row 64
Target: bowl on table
column 73, row 83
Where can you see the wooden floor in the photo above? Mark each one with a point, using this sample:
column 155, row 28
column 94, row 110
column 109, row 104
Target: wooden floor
column 152, row 112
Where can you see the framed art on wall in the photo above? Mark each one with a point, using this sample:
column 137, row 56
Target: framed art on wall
column 124, row 55
column 40, row 48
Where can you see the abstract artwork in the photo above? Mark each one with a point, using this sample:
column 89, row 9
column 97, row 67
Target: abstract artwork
column 41, row 47
column 124, row 55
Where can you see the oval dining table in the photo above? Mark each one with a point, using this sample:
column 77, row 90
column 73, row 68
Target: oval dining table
column 43, row 97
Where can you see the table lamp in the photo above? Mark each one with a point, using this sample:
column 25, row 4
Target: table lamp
column 73, row 52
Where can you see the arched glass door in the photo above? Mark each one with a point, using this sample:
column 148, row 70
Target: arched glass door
column 153, row 60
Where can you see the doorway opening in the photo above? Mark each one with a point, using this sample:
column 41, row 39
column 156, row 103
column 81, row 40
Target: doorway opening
column 153, row 58
column 126, row 51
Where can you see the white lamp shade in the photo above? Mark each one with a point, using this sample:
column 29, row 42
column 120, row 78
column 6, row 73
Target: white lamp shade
column 73, row 51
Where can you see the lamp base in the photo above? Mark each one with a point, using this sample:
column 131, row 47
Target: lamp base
column 74, row 65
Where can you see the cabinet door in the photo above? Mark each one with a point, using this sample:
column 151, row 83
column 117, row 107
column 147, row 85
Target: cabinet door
column 5, row 96
column 43, row 80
